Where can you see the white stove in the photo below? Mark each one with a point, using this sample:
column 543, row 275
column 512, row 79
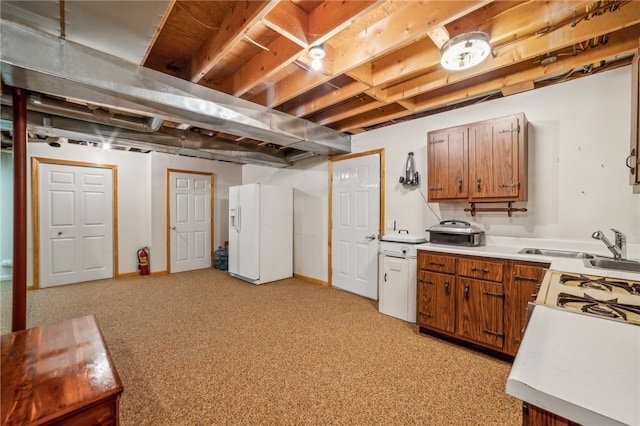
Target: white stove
column 612, row 298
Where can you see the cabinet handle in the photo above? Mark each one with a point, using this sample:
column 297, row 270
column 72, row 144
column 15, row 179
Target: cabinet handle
column 428, row 315
column 436, row 188
column 437, row 264
column 515, row 340
column 495, row 333
column 629, row 162
column 490, row 293
column 478, row 181
column 509, row 185
column 466, row 291
column 435, row 141
column 483, row 270
column 385, row 277
column 446, row 287
column 460, row 186
column 517, row 277
column 426, row 281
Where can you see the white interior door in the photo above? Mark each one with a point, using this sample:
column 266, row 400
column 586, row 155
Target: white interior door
column 76, row 223
column 189, row 221
column 356, row 224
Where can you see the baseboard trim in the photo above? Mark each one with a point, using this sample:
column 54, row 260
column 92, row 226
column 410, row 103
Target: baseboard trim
column 127, row 274
column 311, row 280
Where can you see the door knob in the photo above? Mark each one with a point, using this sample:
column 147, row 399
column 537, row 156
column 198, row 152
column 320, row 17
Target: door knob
column 371, row 237
column 59, row 233
column 173, row 228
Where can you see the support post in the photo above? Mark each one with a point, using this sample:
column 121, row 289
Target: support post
column 19, row 310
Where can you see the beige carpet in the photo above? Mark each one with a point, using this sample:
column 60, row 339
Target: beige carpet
column 202, row 348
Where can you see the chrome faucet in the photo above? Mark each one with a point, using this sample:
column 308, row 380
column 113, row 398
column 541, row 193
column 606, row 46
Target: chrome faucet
column 619, row 249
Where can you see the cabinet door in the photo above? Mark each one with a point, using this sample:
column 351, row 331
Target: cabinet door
column 480, row 314
column 436, row 301
column 447, row 164
column 525, row 283
column 494, row 154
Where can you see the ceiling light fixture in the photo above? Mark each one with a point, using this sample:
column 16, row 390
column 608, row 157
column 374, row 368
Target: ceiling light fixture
column 465, row 51
column 316, row 53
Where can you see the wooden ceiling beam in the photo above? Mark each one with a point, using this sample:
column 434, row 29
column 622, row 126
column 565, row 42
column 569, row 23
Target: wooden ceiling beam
column 331, row 17
column 289, row 87
column 335, row 96
column 397, row 30
column 624, row 42
column 521, row 21
column 290, row 21
column 354, row 107
column 281, row 52
column 527, row 49
column 245, row 14
column 375, row 116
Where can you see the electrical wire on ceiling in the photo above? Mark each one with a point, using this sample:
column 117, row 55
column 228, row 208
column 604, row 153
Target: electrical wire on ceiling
column 194, row 18
column 601, row 8
column 256, row 43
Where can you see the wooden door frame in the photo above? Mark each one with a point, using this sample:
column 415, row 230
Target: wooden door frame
column 381, row 188
column 35, row 209
column 168, row 215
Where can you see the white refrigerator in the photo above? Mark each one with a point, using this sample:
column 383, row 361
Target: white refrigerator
column 260, row 233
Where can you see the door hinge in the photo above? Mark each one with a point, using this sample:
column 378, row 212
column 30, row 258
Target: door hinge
column 512, row 130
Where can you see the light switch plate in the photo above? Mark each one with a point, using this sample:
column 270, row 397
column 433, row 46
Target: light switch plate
column 391, row 225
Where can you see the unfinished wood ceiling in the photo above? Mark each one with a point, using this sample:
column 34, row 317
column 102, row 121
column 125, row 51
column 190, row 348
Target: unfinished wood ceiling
column 382, row 57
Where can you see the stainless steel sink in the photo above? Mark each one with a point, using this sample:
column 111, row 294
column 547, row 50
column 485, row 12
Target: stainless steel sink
column 558, row 253
column 607, row 263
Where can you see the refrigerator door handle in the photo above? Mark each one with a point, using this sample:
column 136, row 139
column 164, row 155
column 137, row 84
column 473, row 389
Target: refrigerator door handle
column 238, row 219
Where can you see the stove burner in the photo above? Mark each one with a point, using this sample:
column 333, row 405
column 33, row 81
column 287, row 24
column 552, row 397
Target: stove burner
column 609, row 308
column 598, row 283
column 603, row 311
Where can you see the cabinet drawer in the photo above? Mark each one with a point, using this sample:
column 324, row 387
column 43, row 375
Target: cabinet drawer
column 485, row 270
column 436, row 262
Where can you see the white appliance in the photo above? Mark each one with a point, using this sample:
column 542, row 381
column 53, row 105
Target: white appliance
column 397, row 275
column 260, row 233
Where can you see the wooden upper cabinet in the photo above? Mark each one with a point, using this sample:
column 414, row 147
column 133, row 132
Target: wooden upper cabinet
column 479, row 162
column 447, row 174
column 633, row 160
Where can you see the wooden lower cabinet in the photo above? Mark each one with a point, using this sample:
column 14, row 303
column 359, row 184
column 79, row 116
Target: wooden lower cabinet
column 436, row 300
column 524, row 284
column 480, row 312
column 476, row 299
column 535, row 416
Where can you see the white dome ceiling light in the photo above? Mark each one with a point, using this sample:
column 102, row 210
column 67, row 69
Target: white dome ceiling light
column 316, row 53
column 465, row 51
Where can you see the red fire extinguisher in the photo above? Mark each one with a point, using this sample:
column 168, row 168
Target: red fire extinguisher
column 143, row 260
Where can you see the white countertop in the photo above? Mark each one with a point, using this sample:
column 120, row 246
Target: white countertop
column 508, row 248
column 581, row 367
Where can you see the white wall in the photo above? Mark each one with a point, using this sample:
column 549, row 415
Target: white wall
column 142, row 198
column 224, row 176
column 133, row 196
column 578, row 141
column 308, row 178
column 6, row 213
